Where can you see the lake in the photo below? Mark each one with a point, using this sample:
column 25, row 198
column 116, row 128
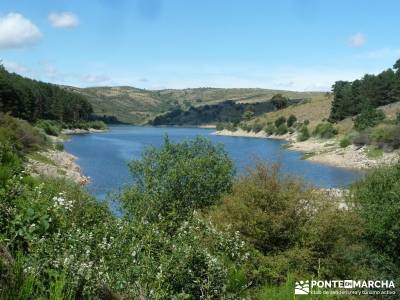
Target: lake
column 104, row 156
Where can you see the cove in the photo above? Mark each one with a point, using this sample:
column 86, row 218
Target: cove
column 104, row 156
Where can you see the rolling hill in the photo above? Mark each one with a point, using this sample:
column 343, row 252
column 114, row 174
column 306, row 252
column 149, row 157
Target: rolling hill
column 138, row 106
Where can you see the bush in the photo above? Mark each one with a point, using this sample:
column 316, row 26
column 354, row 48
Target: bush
column 178, row 178
column 60, row 243
column 59, row 146
column 377, row 201
column 257, row 127
column 290, row 224
column 325, row 131
column 398, row 118
column 344, row 142
column 245, row 127
column 99, row 125
column 10, row 162
column 280, row 121
column 49, row 127
column 220, row 126
column 291, row 120
column 386, row 137
column 270, row 129
column 247, row 115
column 282, row 129
column 362, row 139
column 20, row 134
column 279, row 101
column 230, row 127
column 368, row 118
column 304, row 134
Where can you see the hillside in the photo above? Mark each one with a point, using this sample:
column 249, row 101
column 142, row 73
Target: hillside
column 211, row 114
column 314, row 110
column 33, row 100
column 138, row 106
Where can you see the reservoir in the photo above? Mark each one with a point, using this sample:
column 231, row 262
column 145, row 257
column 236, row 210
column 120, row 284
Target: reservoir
column 104, row 156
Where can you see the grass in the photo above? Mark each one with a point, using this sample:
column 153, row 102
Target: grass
column 314, row 110
column 374, row 152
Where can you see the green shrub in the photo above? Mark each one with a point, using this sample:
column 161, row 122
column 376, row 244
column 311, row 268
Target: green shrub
column 368, row 118
column 279, row 101
column 325, row 131
column 377, row 201
column 282, row 129
column 304, row 134
column 247, row 115
column 270, row 129
column 306, row 122
column 49, row 127
column 99, row 125
column 291, row 121
column 257, row 127
column 59, row 146
column 10, row 162
column 178, row 178
column 290, row 224
column 386, row 137
column 398, row 118
column 245, row 127
column 230, row 127
column 64, row 244
column 361, row 139
column 344, row 142
column 220, row 126
column 280, row 121
column 21, row 134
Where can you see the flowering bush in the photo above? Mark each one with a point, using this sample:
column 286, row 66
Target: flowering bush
column 64, row 244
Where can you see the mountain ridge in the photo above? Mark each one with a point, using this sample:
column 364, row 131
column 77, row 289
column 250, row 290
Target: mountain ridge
column 139, row 106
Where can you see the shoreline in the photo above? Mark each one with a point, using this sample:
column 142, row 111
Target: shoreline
column 82, row 131
column 56, row 163
column 322, row 151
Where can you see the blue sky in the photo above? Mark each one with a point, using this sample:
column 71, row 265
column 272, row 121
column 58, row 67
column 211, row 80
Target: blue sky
column 153, row 44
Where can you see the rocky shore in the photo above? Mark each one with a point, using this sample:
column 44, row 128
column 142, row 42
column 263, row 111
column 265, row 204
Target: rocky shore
column 81, row 131
column 323, row 151
column 55, row 163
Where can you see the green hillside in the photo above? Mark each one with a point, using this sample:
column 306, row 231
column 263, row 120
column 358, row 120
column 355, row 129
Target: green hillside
column 138, row 106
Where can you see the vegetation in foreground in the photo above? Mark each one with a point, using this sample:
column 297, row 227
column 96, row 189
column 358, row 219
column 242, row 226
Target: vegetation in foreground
column 188, row 229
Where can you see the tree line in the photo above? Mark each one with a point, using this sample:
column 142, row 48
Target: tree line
column 353, row 97
column 32, row 100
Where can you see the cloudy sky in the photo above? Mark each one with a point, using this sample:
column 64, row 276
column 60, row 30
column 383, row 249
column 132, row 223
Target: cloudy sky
column 153, row 44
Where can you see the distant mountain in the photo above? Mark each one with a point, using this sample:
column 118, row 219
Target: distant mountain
column 139, row 106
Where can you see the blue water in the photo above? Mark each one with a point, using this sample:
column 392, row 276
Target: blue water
column 104, row 156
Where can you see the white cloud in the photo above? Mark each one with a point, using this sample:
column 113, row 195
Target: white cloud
column 16, row 31
column 358, row 40
column 63, row 20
